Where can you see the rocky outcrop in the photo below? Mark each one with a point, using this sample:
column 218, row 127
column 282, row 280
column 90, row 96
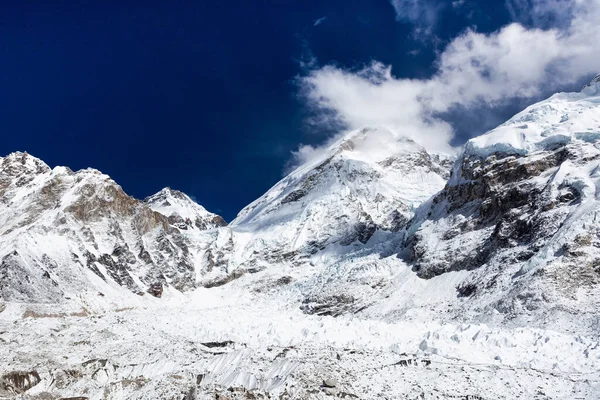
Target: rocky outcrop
column 504, row 201
column 521, row 212
column 18, row 382
column 56, row 224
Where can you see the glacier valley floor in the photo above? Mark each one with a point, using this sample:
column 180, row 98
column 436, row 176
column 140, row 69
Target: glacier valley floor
column 223, row 343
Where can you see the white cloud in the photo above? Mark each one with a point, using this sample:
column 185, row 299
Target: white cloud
column 304, row 154
column 423, row 14
column 512, row 63
column 542, row 13
column 372, row 97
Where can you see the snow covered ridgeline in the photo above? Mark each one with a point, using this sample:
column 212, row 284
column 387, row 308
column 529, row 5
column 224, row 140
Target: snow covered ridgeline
column 182, row 211
column 65, row 234
column 368, row 181
column 521, row 212
column 561, row 119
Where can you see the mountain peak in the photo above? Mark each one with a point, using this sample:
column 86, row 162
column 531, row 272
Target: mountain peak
column 21, row 163
column 368, row 179
column 167, row 192
column 168, row 196
column 562, row 118
column 593, row 83
column 374, row 144
column 182, row 210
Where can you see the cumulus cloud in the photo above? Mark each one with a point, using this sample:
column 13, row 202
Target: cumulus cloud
column 304, row 154
column 474, row 70
column 372, row 97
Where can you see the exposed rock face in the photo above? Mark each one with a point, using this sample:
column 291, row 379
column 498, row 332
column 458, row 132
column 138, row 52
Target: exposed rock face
column 58, row 226
column 521, row 211
column 505, row 201
column 19, row 381
column 595, row 80
column 156, row 289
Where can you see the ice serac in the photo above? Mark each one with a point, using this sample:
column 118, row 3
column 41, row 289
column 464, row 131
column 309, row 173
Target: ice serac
column 521, row 211
column 66, row 234
column 370, row 180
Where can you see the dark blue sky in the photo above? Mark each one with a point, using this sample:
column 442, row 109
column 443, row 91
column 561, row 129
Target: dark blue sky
column 198, row 95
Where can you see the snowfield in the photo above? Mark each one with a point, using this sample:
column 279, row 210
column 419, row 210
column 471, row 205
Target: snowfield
column 207, row 341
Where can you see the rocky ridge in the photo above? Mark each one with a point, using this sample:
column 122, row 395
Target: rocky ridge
column 64, row 233
column 521, row 213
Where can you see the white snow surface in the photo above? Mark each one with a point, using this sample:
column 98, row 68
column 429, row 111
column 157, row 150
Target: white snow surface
column 158, row 350
column 368, row 182
column 173, row 202
column 561, row 119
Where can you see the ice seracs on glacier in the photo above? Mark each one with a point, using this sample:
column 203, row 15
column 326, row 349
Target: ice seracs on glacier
column 562, row 118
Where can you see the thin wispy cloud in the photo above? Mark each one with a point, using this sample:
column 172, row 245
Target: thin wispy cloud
column 543, row 13
column 319, row 21
column 422, row 14
column 474, row 69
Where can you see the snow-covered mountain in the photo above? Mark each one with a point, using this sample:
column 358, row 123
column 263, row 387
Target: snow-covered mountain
column 182, row 211
column 521, row 211
column 369, row 181
column 66, row 234
column 374, row 270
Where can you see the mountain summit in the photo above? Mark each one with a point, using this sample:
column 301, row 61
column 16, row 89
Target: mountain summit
column 182, row 211
column 64, row 234
column 368, row 181
column 521, row 212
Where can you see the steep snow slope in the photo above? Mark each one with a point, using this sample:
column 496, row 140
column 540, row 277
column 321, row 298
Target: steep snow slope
column 375, row 172
column 182, row 211
column 521, row 212
column 369, row 181
column 66, row 234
